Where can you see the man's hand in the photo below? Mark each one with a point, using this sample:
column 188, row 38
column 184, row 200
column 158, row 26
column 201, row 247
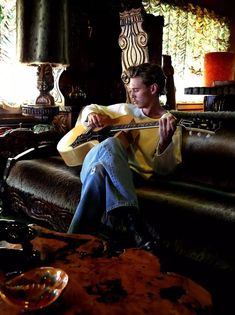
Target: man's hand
column 167, row 127
column 98, row 120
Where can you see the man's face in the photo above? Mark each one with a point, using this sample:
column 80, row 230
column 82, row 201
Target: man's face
column 140, row 94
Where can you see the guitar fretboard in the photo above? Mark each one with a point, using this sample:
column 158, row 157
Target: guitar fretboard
column 133, row 126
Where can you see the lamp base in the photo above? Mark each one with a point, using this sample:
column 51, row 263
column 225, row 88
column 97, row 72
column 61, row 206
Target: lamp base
column 41, row 112
column 56, row 92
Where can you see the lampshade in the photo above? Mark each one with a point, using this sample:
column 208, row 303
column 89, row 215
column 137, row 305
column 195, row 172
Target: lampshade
column 42, row 32
column 42, row 40
column 218, row 66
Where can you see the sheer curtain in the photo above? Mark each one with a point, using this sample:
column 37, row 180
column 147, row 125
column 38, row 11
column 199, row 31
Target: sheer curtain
column 17, row 81
column 189, row 32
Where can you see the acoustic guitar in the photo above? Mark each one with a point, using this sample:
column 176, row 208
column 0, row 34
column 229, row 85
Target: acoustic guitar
column 74, row 146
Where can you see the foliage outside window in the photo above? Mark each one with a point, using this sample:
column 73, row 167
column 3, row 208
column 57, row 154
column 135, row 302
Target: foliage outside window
column 17, row 81
column 189, row 32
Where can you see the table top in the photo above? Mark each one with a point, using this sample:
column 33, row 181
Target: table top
column 130, row 282
column 16, row 120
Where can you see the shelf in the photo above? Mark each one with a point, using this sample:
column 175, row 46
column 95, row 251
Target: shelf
column 215, row 90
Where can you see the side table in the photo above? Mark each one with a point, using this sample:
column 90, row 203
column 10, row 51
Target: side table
column 99, row 283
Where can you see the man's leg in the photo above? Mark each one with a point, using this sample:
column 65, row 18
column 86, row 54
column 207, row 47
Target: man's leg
column 108, row 186
column 120, row 189
column 88, row 214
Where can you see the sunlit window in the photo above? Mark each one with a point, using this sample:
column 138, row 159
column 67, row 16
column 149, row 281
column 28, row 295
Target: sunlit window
column 17, row 81
column 189, row 32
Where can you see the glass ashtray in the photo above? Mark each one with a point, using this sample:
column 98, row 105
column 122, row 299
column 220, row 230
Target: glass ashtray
column 34, row 289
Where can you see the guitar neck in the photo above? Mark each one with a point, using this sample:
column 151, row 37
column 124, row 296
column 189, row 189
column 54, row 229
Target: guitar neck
column 102, row 133
column 186, row 124
column 133, row 126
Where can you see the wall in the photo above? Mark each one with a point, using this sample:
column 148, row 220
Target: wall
column 94, row 53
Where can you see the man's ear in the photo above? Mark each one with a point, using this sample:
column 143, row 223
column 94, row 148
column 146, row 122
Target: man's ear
column 154, row 88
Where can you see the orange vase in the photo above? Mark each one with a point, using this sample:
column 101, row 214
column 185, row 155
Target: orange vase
column 218, row 66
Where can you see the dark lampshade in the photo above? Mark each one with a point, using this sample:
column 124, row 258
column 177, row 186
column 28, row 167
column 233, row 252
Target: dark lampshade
column 42, row 32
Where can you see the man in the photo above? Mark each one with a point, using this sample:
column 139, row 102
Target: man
column 107, row 171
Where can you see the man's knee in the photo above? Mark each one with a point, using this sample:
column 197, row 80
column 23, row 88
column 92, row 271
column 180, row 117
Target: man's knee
column 97, row 169
column 112, row 141
column 113, row 145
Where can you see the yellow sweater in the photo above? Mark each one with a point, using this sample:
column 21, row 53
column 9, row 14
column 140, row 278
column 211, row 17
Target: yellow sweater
column 143, row 152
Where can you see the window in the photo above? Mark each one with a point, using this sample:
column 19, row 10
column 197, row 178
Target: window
column 189, row 32
column 187, row 36
column 17, row 81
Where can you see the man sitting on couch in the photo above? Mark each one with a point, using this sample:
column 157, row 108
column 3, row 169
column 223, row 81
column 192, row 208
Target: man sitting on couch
column 108, row 168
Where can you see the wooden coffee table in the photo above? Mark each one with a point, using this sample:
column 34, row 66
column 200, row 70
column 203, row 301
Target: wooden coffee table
column 99, row 283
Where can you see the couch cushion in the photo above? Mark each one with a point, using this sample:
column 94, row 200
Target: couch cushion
column 47, row 179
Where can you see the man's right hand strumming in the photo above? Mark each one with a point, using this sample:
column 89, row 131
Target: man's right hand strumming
column 98, row 120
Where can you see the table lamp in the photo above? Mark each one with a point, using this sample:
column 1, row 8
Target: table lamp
column 42, row 41
column 218, row 66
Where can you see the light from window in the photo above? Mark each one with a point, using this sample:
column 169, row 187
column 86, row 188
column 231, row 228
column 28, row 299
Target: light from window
column 17, row 81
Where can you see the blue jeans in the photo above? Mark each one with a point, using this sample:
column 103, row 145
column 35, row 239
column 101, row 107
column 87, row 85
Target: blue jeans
column 107, row 185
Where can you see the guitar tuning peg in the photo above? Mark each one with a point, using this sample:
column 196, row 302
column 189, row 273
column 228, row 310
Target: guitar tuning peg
column 208, row 135
column 190, row 132
column 199, row 134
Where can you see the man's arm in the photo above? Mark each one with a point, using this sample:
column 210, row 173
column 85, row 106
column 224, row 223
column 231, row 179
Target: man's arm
column 112, row 111
column 167, row 127
column 166, row 161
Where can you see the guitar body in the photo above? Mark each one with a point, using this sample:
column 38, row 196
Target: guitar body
column 73, row 155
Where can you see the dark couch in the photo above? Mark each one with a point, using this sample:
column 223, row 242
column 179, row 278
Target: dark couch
column 193, row 209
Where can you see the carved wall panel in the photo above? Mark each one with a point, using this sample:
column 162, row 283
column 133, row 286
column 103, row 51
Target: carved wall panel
column 132, row 40
column 140, row 39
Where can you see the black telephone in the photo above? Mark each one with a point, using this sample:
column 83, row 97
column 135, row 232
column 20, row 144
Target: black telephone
column 14, row 261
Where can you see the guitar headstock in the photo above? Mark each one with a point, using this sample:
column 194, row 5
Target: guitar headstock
column 200, row 126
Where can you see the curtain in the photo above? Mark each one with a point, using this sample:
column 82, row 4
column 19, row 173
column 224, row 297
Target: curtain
column 189, row 32
column 7, row 30
column 17, row 81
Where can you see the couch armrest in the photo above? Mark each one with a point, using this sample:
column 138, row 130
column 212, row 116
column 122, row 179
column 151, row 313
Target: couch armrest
column 15, row 141
column 41, row 151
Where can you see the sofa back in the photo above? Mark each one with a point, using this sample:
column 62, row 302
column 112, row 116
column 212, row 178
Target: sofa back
column 209, row 160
